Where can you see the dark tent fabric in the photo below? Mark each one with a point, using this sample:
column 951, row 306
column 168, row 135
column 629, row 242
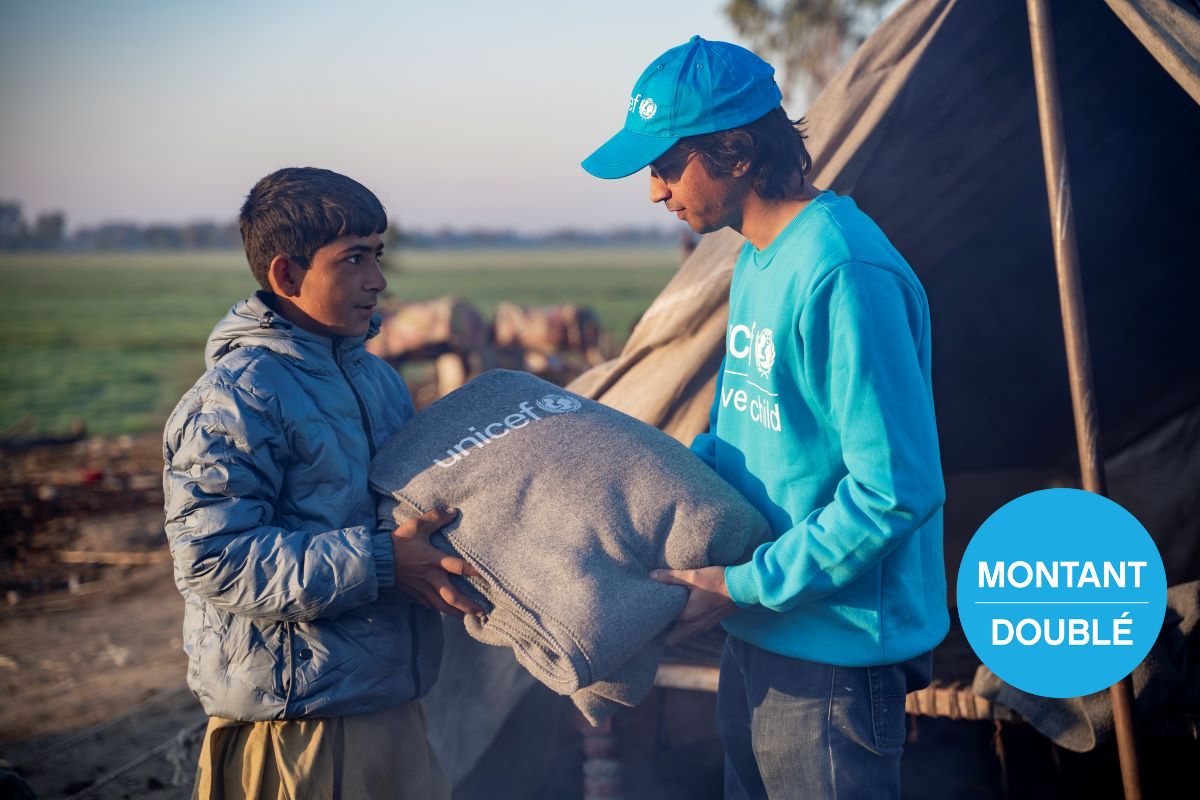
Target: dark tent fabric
column 953, row 172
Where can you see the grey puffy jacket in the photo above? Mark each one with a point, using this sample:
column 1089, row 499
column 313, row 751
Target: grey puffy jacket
column 285, row 569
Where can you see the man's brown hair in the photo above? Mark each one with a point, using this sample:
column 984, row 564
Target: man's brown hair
column 773, row 145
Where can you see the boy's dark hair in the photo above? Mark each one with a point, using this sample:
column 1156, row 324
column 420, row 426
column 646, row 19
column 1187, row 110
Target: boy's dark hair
column 773, row 144
column 296, row 211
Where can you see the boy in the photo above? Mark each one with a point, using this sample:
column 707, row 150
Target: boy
column 823, row 418
column 310, row 626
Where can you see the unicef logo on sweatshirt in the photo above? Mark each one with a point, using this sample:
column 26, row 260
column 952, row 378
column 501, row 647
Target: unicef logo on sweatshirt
column 764, row 352
column 558, row 403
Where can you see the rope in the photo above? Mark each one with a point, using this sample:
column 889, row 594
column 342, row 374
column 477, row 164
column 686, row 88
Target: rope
column 71, row 741
column 174, row 742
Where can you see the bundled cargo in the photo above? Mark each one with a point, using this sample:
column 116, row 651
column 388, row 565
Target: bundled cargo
column 422, row 330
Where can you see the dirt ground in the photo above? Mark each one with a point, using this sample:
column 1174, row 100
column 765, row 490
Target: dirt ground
column 92, row 673
column 91, row 669
column 93, row 702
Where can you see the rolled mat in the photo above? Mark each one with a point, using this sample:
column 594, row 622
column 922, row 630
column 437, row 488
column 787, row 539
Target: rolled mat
column 566, row 506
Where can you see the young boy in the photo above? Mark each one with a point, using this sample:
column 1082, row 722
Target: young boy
column 310, row 626
column 823, row 418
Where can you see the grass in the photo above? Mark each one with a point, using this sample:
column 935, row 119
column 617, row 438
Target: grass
column 115, row 339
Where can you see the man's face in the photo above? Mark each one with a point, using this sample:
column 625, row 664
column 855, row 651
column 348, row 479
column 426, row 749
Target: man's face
column 679, row 180
column 341, row 286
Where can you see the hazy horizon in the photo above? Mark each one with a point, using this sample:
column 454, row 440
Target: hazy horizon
column 474, row 116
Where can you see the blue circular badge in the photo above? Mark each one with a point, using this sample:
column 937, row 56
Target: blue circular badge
column 1061, row 593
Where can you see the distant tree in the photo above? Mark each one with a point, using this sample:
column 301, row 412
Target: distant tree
column 49, row 230
column 196, row 235
column 162, row 237
column 808, row 41
column 118, row 236
column 395, row 239
column 12, row 226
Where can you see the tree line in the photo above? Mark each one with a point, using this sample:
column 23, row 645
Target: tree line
column 48, row 232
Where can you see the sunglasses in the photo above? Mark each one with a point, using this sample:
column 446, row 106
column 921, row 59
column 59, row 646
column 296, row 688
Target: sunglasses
column 670, row 167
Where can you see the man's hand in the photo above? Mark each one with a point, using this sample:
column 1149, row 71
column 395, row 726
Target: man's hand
column 423, row 571
column 708, row 603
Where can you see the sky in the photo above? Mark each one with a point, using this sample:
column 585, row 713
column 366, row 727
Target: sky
column 461, row 113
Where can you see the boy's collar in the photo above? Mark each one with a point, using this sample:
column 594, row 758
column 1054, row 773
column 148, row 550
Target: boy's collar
column 270, row 317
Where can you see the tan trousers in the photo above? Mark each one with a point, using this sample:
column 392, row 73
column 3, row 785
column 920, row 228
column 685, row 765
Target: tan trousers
column 376, row 756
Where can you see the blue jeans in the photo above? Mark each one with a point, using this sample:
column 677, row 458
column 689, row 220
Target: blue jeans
column 794, row 728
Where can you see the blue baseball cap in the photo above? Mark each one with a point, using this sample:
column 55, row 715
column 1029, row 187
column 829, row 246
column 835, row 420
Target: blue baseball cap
column 697, row 87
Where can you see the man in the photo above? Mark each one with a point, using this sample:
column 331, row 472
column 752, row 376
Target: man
column 309, row 624
column 823, row 417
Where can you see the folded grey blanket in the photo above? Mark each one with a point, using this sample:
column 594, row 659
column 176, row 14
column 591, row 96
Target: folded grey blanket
column 566, row 507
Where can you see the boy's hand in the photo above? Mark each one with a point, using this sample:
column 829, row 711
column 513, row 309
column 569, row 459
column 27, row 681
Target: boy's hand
column 422, row 570
column 708, row 603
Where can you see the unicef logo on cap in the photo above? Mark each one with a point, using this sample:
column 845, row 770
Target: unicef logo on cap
column 558, row 403
column 647, row 108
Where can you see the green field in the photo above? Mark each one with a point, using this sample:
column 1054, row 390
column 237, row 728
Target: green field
column 115, row 339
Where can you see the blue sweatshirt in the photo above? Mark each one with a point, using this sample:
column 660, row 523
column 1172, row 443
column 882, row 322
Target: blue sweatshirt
column 823, row 418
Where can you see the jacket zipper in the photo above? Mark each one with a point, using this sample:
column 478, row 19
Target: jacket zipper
column 290, row 661
column 362, row 408
column 412, row 611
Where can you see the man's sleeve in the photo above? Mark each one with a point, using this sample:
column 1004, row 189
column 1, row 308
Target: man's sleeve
column 225, row 448
column 860, row 333
column 705, row 444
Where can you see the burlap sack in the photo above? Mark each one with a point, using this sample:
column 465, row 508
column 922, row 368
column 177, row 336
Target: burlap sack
column 566, row 507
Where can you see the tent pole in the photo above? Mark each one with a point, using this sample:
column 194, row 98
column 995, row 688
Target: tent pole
column 1079, row 363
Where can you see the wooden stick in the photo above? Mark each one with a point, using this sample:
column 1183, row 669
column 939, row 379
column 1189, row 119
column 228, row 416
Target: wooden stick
column 113, row 556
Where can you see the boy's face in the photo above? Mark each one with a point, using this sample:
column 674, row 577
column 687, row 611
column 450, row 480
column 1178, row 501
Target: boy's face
column 679, row 180
column 339, row 290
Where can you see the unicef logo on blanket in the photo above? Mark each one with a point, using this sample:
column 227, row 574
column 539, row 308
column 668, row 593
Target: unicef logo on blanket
column 764, row 351
column 647, row 108
column 558, row 403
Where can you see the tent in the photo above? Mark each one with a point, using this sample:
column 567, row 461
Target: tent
column 932, row 127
